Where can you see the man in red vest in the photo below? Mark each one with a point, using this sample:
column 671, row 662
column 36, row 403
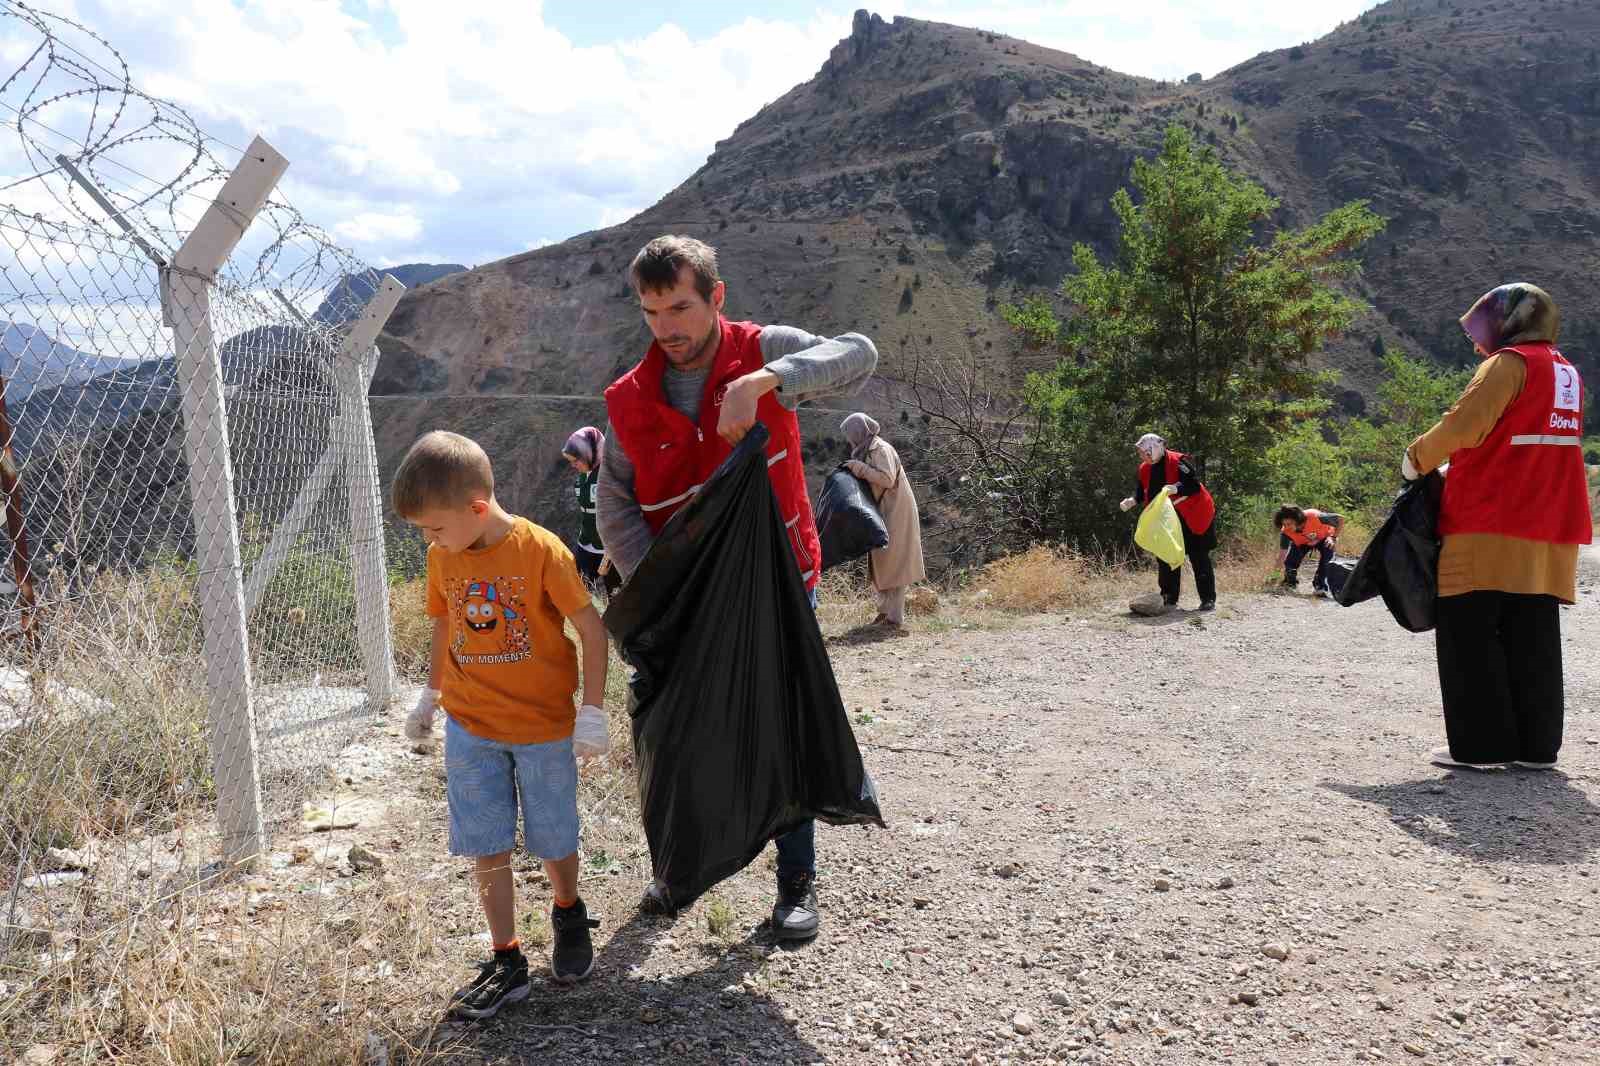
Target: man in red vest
column 676, row 415
column 1161, row 470
column 1304, row 529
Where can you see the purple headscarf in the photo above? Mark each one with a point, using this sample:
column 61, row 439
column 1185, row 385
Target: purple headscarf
column 585, row 446
column 1518, row 313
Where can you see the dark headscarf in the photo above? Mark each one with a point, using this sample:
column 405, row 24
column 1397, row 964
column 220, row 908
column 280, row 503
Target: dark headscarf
column 585, row 445
column 1518, row 313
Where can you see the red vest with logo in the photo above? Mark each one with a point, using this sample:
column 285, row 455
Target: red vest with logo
column 1527, row 477
column 1315, row 530
column 1196, row 511
column 672, row 456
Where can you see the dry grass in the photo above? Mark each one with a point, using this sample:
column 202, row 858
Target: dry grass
column 1247, row 566
column 235, row 976
column 410, row 628
column 110, row 741
column 1045, row 578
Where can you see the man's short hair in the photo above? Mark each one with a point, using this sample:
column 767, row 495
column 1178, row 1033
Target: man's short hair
column 656, row 266
column 1288, row 512
column 441, row 470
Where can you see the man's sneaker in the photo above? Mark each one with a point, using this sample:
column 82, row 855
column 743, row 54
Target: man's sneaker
column 1442, row 757
column 501, row 980
column 573, row 955
column 654, row 900
column 1208, row 605
column 794, row 916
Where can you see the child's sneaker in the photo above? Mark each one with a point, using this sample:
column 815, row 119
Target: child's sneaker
column 573, row 955
column 501, row 980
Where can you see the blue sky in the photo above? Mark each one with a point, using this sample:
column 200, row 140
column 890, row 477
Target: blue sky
column 468, row 131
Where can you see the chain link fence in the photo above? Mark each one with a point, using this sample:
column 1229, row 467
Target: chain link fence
column 193, row 595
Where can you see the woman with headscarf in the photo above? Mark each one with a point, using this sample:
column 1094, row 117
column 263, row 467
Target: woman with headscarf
column 1196, row 511
column 582, row 453
column 898, row 565
column 1514, row 511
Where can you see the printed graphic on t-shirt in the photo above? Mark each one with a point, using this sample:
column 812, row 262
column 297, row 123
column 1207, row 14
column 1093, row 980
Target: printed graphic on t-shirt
column 1568, row 390
column 491, row 623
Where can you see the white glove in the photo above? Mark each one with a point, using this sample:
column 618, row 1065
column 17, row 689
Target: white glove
column 1128, row 504
column 1170, row 490
column 1407, row 470
column 419, row 723
column 591, row 733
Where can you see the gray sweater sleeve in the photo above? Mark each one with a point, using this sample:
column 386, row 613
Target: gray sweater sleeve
column 623, row 530
column 807, row 366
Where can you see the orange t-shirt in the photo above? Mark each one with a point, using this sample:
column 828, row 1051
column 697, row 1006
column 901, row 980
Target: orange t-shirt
column 512, row 671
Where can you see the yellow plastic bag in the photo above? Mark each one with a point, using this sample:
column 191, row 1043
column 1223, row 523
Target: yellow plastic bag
column 1160, row 532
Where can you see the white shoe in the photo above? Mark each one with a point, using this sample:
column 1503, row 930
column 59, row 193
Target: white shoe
column 1442, row 757
column 1521, row 765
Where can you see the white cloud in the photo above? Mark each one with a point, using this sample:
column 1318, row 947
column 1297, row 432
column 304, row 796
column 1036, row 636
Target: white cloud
column 461, row 125
column 372, row 227
column 610, row 216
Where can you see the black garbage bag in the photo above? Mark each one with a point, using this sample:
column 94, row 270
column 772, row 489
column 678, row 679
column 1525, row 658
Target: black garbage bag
column 1338, row 575
column 1402, row 562
column 848, row 520
column 739, row 732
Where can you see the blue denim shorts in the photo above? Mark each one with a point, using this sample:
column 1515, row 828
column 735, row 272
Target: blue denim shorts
column 487, row 780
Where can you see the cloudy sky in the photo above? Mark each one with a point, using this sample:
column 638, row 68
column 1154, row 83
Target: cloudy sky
column 421, row 130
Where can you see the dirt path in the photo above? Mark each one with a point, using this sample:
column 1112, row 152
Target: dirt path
column 1096, row 826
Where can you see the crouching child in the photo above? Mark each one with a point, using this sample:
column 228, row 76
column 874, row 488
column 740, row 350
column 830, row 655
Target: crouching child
column 1302, row 530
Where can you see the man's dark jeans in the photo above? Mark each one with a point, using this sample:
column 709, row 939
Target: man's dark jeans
column 797, row 849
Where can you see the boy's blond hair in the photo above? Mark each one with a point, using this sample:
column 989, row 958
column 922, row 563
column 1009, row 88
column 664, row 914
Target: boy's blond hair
column 442, row 469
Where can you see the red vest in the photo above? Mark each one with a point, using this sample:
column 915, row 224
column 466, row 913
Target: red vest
column 1315, row 530
column 1527, row 477
column 1196, row 511
column 672, row 456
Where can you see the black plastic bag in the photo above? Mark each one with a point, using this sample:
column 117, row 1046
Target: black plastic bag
column 1338, row 574
column 738, row 728
column 1402, row 562
column 848, row 520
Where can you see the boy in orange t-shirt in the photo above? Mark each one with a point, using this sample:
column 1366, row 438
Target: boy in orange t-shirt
column 503, row 669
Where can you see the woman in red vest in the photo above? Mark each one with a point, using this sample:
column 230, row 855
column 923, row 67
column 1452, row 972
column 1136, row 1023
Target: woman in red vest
column 1515, row 510
column 1196, row 511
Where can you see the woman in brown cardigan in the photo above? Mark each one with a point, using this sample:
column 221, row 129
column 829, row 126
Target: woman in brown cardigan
column 1515, row 510
column 899, row 565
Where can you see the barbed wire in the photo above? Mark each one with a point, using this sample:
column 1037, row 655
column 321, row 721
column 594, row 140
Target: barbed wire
column 73, row 79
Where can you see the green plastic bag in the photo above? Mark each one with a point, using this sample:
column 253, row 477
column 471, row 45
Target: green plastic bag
column 1160, row 532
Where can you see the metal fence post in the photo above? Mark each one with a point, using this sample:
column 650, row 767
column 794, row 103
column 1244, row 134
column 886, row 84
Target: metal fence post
column 357, row 360
column 186, row 306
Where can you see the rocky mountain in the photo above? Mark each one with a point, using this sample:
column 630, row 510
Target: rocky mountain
column 32, row 360
column 346, row 299
column 928, row 173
